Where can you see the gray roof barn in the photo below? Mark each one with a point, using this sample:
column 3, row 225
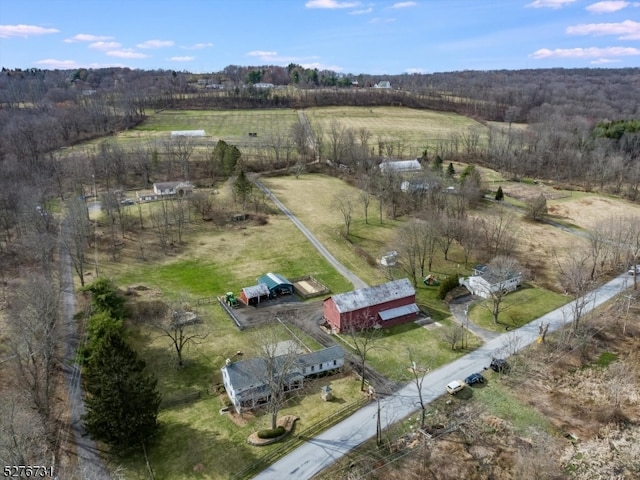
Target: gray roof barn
column 400, row 166
column 369, row 296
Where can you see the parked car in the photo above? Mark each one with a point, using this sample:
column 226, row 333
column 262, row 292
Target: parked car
column 127, row 201
column 499, row 365
column 474, row 378
column 455, row 386
column 634, row 270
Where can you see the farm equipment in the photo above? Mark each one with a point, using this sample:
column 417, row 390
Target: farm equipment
column 231, row 299
column 431, row 281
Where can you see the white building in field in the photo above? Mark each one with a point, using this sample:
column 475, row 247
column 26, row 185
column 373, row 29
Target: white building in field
column 484, row 283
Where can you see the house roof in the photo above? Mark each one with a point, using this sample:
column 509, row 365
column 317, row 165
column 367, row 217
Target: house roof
column 254, row 291
column 187, row 133
column 249, row 374
column 272, row 280
column 493, row 279
column 169, row 185
column 370, row 296
column 400, row 166
column 321, row 356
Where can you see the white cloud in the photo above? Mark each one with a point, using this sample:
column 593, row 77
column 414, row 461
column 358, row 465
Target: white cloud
column 608, row 6
column 604, row 61
column 627, row 30
column 199, row 46
column 156, row 44
column 7, row 31
column 322, row 66
column 127, row 53
column 262, row 54
column 182, row 59
column 57, row 64
column 105, row 45
column 592, row 52
column 330, row 4
column 86, row 37
column 403, row 4
column 549, row 3
column 361, row 12
column 382, row 20
column 416, row 70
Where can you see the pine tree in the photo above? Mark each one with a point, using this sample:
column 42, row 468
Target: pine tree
column 231, row 157
column 499, row 194
column 242, row 189
column 123, row 401
column 450, row 170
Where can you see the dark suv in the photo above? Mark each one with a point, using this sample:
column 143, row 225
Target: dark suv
column 499, row 365
column 474, row 378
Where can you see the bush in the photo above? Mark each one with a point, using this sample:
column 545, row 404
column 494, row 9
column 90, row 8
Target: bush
column 447, row 285
column 269, row 433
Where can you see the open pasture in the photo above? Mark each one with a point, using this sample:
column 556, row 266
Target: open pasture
column 414, row 129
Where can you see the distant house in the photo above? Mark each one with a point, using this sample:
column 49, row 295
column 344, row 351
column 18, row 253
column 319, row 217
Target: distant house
column 246, row 384
column 277, row 284
column 170, row 189
column 255, row 294
column 263, row 85
column 414, row 186
column 484, row 283
column 385, row 305
column 400, row 166
column 383, row 84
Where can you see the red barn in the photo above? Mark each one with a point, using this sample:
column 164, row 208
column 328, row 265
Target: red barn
column 386, row 305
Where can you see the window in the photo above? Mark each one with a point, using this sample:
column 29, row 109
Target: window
column 335, row 362
column 312, row 368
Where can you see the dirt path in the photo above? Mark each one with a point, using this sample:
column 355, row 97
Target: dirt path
column 344, row 271
column 90, row 464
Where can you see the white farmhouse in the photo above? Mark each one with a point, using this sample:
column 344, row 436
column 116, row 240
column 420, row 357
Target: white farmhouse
column 485, row 283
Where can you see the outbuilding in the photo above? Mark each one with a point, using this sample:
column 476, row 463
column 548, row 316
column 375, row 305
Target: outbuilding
column 277, row 284
column 385, row 305
column 254, row 294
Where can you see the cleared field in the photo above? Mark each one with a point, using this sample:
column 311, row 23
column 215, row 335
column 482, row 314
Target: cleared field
column 411, row 130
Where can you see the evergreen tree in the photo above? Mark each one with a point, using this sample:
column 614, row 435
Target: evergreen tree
column 105, row 298
column 499, row 194
column 450, row 170
column 436, row 166
column 218, row 152
column 242, row 189
column 123, row 401
column 230, row 161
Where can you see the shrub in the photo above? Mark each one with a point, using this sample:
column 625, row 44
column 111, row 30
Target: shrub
column 447, row 285
column 271, row 433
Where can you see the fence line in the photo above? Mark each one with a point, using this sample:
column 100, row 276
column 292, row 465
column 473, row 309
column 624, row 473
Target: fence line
column 226, row 307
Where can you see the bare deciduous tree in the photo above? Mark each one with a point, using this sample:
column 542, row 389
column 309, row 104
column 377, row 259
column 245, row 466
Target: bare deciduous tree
column 574, row 274
column 363, row 333
column 502, row 270
column 344, row 204
column 182, row 325
column 75, row 234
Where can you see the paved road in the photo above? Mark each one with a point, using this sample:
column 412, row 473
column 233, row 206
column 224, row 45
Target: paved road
column 90, row 466
column 344, row 271
column 323, row 450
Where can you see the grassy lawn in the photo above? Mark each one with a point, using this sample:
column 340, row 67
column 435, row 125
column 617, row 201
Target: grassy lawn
column 389, row 353
column 518, row 308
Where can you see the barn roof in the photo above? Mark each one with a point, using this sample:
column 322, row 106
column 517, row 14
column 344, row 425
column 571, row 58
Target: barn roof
column 392, row 313
column 256, row 291
column 370, row 296
column 187, row 133
column 400, row 166
column 272, row 280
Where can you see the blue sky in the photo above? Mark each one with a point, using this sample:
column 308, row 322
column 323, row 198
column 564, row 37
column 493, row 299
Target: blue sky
column 347, row 36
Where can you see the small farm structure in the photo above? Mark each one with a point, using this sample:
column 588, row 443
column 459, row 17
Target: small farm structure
column 383, row 84
column 385, row 305
column 254, row 294
column 245, row 380
column 308, row 287
column 187, row 133
column 400, row 166
column 486, row 283
column 277, row 284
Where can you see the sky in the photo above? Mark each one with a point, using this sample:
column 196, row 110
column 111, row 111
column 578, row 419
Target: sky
column 346, row 36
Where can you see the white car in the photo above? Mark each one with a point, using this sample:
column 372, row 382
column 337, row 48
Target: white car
column 455, row 386
column 633, row 271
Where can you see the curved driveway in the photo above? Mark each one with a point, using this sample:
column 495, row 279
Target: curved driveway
column 323, row 450
column 344, row 271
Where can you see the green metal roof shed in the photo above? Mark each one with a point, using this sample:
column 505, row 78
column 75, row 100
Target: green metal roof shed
column 277, row 284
